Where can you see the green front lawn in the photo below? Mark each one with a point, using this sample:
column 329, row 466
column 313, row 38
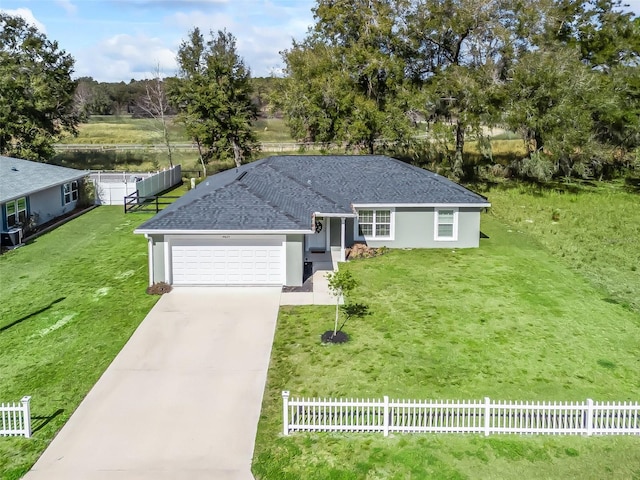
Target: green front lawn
column 507, row 320
column 69, row 301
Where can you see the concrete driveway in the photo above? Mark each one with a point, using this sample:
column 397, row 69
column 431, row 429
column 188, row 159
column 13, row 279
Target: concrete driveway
column 183, row 397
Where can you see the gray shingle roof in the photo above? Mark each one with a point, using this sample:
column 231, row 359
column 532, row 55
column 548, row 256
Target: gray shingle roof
column 19, row 178
column 282, row 193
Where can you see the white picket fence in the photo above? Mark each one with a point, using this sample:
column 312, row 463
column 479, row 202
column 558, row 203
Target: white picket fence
column 15, row 418
column 474, row 416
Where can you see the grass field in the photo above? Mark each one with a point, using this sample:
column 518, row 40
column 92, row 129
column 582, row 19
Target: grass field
column 272, row 130
column 105, row 130
column 512, row 320
column 120, row 129
column 112, row 129
column 69, row 301
column 593, row 227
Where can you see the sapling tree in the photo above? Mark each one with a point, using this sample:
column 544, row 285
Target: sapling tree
column 341, row 284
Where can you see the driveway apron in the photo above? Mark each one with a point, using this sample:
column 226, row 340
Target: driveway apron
column 181, row 400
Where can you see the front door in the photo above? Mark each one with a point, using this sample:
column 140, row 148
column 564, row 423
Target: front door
column 317, row 242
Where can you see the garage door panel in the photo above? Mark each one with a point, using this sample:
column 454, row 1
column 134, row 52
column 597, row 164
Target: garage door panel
column 232, row 262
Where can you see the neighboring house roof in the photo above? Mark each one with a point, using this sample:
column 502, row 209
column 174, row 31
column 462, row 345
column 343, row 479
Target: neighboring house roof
column 19, row 178
column 283, row 192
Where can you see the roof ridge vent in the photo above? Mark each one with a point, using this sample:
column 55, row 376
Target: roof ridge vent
column 241, row 176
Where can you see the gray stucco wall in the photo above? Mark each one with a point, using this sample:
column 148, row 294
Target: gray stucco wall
column 158, row 259
column 47, row 204
column 295, row 260
column 414, row 228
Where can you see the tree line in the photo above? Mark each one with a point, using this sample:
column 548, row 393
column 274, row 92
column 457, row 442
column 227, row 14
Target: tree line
column 564, row 74
column 413, row 78
column 120, row 98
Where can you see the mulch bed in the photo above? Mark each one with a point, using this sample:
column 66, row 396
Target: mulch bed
column 339, row 337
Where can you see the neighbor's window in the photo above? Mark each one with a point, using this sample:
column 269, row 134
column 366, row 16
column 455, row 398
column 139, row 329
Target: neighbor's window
column 70, row 192
column 446, row 227
column 374, row 224
column 16, row 211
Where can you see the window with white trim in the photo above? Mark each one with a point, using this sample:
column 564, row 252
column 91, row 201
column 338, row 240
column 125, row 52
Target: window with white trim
column 374, row 224
column 446, row 224
column 70, row 192
column 16, row 211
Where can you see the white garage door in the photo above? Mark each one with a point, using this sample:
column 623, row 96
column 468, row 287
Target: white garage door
column 231, row 261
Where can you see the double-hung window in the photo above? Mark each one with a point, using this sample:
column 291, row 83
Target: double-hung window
column 16, row 211
column 446, row 224
column 375, row 224
column 70, row 192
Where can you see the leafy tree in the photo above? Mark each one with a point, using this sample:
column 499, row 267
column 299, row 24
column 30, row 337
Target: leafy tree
column 573, row 94
column 346, row 83
column 460, row 50
column 36, row 91
column 263, row 89
column 549, row 98
column 213, row 95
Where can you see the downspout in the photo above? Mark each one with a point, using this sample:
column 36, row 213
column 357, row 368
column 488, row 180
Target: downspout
column 150, row 247
column 342, row 238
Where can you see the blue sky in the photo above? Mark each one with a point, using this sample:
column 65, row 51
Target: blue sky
column 114, row 40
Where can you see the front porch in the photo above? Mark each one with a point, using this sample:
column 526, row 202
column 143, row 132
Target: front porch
column 315, row 287
column 328, row 244
column 327, row 261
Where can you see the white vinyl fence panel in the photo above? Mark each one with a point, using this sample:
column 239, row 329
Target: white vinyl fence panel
column 474, row 416
column 159, row 182
column 113, row 193
column 112, row 187
column 15, row 418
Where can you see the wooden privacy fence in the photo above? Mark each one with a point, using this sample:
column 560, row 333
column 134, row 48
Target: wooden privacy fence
column 15, row 418
column 474, row 416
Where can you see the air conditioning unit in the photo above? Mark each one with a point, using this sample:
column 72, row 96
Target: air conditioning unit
column 12, row 237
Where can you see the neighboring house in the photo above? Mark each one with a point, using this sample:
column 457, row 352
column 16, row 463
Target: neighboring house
column 258, row 224
column 33, row 193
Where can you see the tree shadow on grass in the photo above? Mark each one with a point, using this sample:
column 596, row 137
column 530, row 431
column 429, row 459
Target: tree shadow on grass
column 103, row 159
column 32, row 314
column 632, row 185
column 38, row 422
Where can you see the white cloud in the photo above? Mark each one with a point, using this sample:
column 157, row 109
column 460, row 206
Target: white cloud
column 69, row 7
column 123, row 57
column 28, row 16
column 205, row 22
column 259, row 42
column 171, row 4
column 634, row 6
